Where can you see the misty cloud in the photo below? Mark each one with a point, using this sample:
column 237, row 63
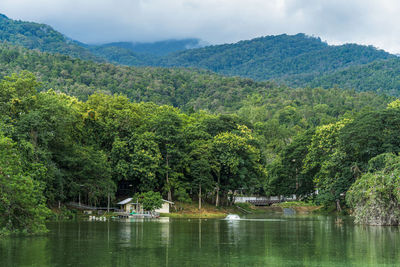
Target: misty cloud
column 374, row 22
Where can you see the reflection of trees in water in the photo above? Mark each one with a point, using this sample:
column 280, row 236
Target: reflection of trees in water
column 15, row 251
column 379, row 244
column 304, row 241
column 234, row 232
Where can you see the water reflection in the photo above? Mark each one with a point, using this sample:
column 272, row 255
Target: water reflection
column 257, row 240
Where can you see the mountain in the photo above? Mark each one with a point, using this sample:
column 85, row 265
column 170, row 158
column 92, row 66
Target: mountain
column 276, row 57
column 295, row 60
column 185, row 88
column 41, row 37
column 379, row 76
column 142, row 54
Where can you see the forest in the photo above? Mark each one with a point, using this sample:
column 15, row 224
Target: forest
column 294, row 60
column 72, row 128
column 55, row 147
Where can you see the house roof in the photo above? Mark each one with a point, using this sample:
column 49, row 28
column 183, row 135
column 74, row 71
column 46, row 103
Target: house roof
column 125, row 201
column 170, row 202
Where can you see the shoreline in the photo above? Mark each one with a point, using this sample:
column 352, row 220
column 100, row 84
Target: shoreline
column 191, row 211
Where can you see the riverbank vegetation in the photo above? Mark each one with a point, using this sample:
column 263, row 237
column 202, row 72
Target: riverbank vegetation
column 56, row 148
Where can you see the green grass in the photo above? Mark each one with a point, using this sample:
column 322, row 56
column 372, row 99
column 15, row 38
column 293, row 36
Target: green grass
column 292, row 204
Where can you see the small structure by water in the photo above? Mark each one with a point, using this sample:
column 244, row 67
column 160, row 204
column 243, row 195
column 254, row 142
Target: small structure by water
column 132, row 209
column 130, row 206
column 232, row 217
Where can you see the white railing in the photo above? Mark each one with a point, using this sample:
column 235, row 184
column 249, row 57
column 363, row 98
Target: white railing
column 273, row 198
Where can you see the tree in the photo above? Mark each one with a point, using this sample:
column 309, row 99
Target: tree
column 52, row 126
column 285, row 173
column 137, row 160
column 375, row 196
column 150, row 200
column 325, row 162
column 22, row 204
column 88, row 171
column 238, row 163
column 201, row 168
column 167, row 125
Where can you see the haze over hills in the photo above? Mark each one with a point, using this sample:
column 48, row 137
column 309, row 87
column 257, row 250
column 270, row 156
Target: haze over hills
column 142, row 54
column 296, row 60
column 41, row 37
column 160, row 48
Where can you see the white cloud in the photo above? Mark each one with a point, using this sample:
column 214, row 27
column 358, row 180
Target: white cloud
column 374, row 22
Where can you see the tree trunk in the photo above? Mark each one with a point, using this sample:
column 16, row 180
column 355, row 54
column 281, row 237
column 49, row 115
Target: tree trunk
column 199, row 196
column 217, row 196
column 108, row 202
column 338, row 207
column 167, row 180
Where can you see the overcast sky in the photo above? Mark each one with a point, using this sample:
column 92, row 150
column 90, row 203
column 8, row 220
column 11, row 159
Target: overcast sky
column 372, row 22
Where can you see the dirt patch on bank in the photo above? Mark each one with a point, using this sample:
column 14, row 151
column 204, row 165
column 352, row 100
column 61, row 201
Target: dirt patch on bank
column 306, row 209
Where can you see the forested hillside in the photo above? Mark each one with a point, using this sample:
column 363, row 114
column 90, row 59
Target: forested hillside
column 41, row 37
column 276, row 57
column 71, row 127
column 141, row 54
column 184, row 88
column 379, row 76
column 55, row 147
column 296, row 60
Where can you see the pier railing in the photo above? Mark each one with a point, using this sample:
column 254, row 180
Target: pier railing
column 87, row 207
column 263, row 201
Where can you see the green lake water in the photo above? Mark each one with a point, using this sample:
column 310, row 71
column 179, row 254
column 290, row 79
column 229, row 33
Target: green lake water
column 258, row 240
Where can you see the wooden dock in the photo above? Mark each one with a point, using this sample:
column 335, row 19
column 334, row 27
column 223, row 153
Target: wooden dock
column 126, row 215
column 81, row 206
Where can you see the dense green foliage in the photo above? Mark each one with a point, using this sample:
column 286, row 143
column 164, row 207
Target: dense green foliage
column 121, row 55
column 74, row 149
column 349, row 153
column 150, row 200
column 296, row 60
column 379, row 76
column 91, row 130
column 22, row 204
column 182, row 88
column 275, row 57
column 375, row 195
column 44, row 38
column 92, row 149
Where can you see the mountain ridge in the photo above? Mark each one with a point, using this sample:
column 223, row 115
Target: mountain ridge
column 296, row 60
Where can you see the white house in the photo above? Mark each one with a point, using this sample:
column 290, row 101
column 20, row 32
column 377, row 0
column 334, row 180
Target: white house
column 129, row 206
column 165, row 206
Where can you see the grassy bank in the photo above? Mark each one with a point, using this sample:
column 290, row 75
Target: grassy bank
column 191, row 210
column 185, row 210
column 298, row 206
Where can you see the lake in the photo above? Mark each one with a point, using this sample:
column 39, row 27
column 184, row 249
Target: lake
column 257, row 240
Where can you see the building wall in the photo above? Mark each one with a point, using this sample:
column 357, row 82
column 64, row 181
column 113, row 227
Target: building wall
column 130, row 207
column 164, row 208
